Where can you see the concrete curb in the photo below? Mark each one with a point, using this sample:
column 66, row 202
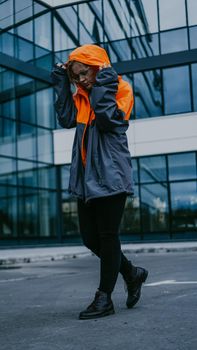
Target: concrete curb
column 26, row 259
column 18, row 256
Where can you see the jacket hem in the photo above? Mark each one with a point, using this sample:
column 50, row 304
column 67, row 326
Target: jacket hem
column 108, row 195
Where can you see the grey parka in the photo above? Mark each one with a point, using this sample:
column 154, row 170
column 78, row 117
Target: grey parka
column 108, row 169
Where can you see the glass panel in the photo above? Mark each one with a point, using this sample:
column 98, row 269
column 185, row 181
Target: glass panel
column 148, row 98
column 7, row 83
column 43, row 58
column 43, row 31
column 62, row 56
column 69, row 216
column 174, row 40
column 177, row 94
column 90, row 23
column 23, row 9
column 24, row 50
column 150, row 15
column 184, row 206
column 169, row 7
column 154, row 206
column 47, row 214
column 45, row 114
column 25, row 30
column 28, row 212
column 8, row 212
column 27, row 174
column 26, row 141
column 38, row 8
column 23, row 79
column 69, row 16
column 7, row 43
column 63, row 40
column 120, row 50
column 192, row 12
column 182, row 166
column 45, row 146
column 46, row 176
column 117, row 20
column 7, row 171
column 65, row 175
column 152, row 169
column 145, row 46
column 131, row 218
column 135, row 170
column 143, row 17
column 193, row 37
column 194, row 84
column 27, row 108
column 8, row 109
column 7, row 137
column 6, row 13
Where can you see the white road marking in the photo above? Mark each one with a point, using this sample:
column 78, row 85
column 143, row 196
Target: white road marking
column 13, row 280
column 159, row 283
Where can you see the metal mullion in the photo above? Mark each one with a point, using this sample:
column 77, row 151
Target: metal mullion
column 52, row 36
column 59, row 214
column 159, row 31
column 36, row 131
column 169, row 196
column 187, row 24
column 140, row 199
column 18, row 233
column 191, row 87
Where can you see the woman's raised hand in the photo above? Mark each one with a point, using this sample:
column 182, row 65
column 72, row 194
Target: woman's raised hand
column 61, row 65
column 104, row 65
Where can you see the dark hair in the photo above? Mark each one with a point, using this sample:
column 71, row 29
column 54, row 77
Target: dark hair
column 69, row 71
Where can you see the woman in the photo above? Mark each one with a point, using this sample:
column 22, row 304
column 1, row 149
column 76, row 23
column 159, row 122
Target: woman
column 100, row 174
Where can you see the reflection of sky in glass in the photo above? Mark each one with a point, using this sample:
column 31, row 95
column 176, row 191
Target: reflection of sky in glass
column 155, row 196
column 194, row 82
column 184, row 195
column 7, row 171
column 192, row 12
column 172, row 14
column 150, row 8
column 65, row 174
column 152, row 169
column 174, row 40
column 147, row 87
column 176, row 90
column 182, row 166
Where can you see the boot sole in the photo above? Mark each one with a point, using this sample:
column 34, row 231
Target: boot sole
column 106, row 313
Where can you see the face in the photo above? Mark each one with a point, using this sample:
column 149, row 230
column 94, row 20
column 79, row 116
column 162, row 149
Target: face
column 84, row 75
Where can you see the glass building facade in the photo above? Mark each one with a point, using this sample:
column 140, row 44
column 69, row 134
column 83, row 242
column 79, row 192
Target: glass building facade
column 155, row 51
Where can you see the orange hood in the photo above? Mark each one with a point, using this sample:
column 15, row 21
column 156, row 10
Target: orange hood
column 89, row 54
column 94, row 55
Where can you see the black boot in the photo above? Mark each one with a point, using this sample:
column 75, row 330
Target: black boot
column 101, row 306
column 133, row 281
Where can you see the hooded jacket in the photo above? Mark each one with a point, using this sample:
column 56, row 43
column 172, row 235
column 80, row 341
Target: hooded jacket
column 101, row 162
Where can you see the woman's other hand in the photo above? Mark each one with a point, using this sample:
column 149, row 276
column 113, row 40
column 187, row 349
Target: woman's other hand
column 61, row 65
column 104, row 65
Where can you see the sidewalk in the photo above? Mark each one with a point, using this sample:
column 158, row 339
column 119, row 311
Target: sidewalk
column 26, row 255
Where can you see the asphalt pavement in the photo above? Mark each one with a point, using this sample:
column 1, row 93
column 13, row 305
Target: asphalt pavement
column 40, row 303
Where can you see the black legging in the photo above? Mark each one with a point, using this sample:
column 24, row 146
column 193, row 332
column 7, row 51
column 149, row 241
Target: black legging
column 99, row 222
